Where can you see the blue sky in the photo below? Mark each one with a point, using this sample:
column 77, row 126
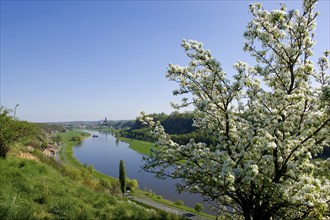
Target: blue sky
column 86, row 60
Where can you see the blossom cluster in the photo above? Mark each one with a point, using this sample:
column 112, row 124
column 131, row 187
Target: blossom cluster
column 269, row 121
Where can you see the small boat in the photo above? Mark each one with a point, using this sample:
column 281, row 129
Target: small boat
column 95, row 136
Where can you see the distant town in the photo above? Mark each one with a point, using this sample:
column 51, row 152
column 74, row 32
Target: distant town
column 103, row 123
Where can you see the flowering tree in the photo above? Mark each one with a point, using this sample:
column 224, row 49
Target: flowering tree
column 269, row 120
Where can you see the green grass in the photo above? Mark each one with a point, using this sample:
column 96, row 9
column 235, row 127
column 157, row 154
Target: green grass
column 142, row 147
column 34, row 190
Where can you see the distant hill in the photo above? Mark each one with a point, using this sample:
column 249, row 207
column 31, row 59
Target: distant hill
column 119, row 124
column 175, row 123
column 178, row 125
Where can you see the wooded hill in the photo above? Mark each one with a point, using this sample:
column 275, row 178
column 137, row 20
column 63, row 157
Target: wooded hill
column 180, row 127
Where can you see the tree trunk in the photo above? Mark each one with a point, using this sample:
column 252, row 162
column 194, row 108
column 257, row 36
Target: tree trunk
column 246, row 212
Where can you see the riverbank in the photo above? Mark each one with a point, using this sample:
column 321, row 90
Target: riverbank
column 141, row 145
column 67, row 154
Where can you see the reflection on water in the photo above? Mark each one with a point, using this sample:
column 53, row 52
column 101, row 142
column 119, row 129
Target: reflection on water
column 105, row 152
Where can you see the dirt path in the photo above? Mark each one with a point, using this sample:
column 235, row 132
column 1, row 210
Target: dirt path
column 58, row 156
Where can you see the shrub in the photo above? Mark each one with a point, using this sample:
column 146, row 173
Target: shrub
column 179, row 202
column 13, row 131
column 198, row 207
column 133, row 184
column 71, row 172
column 78, row 138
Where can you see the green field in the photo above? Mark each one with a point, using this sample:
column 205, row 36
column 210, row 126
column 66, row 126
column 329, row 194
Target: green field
column 142, row 147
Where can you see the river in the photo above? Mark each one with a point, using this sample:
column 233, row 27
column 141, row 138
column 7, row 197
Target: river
column 104, row 153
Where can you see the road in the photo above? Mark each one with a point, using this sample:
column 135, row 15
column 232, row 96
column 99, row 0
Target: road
column 163, row 207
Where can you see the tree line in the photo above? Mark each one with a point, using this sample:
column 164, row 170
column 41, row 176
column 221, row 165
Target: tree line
column 178, row 125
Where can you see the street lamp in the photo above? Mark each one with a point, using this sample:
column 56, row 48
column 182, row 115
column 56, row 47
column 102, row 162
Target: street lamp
column 15, row 111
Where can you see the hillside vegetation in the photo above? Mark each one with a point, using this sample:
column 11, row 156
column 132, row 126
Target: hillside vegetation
column 31, row 189
column 36, row 186
column 178, row 125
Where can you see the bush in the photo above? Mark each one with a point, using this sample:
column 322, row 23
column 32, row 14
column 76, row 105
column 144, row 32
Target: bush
column 104, row 186
column 71, row 172
column 78, row 138
column 13, row 131
column 133, row 184
column 57, row 138
column 179, row 202
column 35, row 143
column 198, row 207
column 88, row 178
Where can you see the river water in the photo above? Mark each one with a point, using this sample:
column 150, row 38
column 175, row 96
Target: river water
column 104, row 154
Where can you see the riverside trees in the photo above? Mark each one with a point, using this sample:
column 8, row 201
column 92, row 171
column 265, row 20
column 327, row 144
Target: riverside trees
column 269, row 121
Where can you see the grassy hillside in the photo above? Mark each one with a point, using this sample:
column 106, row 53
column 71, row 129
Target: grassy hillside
column 36, row 186
column 31, row 189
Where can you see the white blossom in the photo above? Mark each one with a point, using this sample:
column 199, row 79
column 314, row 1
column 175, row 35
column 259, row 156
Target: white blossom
column 261, row 166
